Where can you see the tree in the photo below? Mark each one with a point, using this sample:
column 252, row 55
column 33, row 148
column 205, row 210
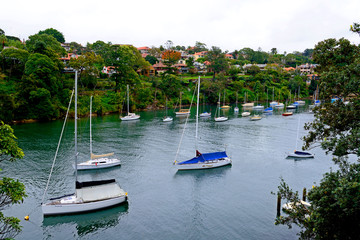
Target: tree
column 170, row 57
column 45, row 44
column 11, row 191
column 88, row 65
column 335, row 204
column 218, row 62
column 55, row 33
column 151, row 59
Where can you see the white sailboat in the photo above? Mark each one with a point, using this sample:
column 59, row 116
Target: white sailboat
column 97, row 161
column 130, row 116
column 181, row 111
column 236, row 109
column 167, row 118
column 88, row 196
column 203, row 160
column 205, row 114
column 220, row 118
column 297, row 153
column 247, row 105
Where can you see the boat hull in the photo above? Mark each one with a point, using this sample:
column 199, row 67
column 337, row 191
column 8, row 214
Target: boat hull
column 98, row 164
column 294, row 155
column 50, row 209
column 204, row 165
column 221, row 119
column 167, row 119
column 127, row 118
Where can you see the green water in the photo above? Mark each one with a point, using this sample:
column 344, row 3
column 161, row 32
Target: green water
column 233, row 202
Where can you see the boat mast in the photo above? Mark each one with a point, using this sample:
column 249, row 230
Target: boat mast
column 127, row 90
column 180, row 99
column 197, row 110
column 76, row 153
column 90, row 126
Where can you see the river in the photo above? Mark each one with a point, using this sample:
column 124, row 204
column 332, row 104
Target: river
column 233, row 202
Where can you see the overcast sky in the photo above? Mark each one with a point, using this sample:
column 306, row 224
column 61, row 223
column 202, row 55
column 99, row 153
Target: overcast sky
column 229, row 24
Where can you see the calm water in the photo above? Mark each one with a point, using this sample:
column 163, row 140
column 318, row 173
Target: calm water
column 232, row 202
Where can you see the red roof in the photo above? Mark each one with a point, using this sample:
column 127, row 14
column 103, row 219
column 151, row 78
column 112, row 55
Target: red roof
column 142, row 48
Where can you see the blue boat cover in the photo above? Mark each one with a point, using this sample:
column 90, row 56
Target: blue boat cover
column 302, row 153
column 205, row 157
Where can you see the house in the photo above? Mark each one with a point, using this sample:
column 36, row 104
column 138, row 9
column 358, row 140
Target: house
column 66, row 59
column 66, row 46
column 306, row 69
column 199, row 55
column 229, row 56
column 182, row 68
column 289, row 69
column 108, row 70
column 311, row 77
column 261, row 66
column 143, row 50
column 159, row 67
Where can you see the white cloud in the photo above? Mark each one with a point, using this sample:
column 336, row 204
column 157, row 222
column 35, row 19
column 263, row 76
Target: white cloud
column 228, row 24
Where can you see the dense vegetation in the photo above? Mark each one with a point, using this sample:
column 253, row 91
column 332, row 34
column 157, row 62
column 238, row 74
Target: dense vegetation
column 335, row 203
column 34, row 85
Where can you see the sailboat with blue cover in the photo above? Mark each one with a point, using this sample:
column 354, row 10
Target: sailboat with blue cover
column 203, row 160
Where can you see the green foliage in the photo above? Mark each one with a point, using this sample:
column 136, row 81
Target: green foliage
column 45, row 44
column 11, row 191
column 9, row 149
column 55, row 33
column 335, row 203
column 9, row 227
column 151, row 59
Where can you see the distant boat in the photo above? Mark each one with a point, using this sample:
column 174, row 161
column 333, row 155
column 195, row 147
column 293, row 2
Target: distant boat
column 203, row 160
column 205, row 114
column 88, row 196
column 296, row 153
column 225, row 106
column 247, row 105
column 287, row 114
column 220, row 118
column 236, row 109
column 130, row 116
column 255, row 118
column 167, row 118
column 245, row 114
column 182, row 111
column 268, row 110
column 273, row 103
column 97, row 161
column 279, row 106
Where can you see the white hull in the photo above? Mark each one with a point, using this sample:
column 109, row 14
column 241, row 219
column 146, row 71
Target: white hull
column 167, row 119
column 205, row 114
column 182, row 113
column 204, row 165
column 255, row 118
column 258, row 108
column 279, row 105
column 78, row 207
column 98, row 164
column 130, row 118
column 245, row 114
column 221, row 119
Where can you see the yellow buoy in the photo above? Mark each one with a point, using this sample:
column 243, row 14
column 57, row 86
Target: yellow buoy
column 26, row 218
column 126, row 194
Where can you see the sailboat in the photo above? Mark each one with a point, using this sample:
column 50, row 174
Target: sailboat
column 220, row 118
column 259, row 106
column 205, row 114
column 203, row 160
column 167, row 118
column 247, row 105
column 236, row 109
column 182, row 111
column 268, row 109
column 296, row 153
column 88, row 196
column 130, row 116
column 97, row 161
column 273, row 103
column 225, row 106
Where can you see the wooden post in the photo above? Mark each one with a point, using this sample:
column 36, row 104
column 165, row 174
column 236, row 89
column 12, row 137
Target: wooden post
column 278, row 205
column 304, row 195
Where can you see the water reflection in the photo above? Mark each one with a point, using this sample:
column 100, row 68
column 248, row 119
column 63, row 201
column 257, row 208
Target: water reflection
column 85, row 223
column 204, row 173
